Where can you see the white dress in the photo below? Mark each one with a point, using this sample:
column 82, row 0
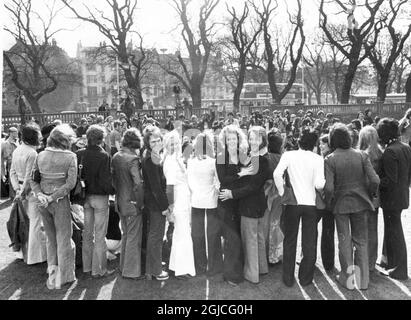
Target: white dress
column 182, row 255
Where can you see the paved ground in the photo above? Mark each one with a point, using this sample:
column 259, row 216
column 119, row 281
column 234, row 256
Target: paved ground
column 19, row 281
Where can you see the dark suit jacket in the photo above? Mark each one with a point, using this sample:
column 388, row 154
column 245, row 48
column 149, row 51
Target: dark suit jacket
column 128, row 183
column 350, row 181
column 250, row 191
column 155, row 197
column 96, row 170
column 395, row 176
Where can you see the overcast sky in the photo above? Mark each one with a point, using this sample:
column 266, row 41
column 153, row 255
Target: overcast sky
column 156, row 20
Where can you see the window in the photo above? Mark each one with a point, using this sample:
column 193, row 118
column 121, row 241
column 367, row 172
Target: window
column 103, row 78
column 103, row 90
column 91, row 66
column 92, row 91
column 91, row 79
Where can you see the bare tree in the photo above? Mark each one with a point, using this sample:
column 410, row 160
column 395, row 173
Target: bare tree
column 351, row 43
column 117, row 29
column 198, row 42
column 28, row 59
column 234, row 50
column 397, row 79
column 316, row 73
column 388, row 49
column 272, row 54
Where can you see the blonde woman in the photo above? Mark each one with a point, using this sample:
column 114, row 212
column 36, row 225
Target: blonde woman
column 368, row 142
column 203, row 183
column 233, row 143
column 174, row 168
column 252, row 205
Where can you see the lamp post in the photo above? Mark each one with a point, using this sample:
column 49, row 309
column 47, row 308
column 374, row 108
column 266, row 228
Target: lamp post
column 163, row 51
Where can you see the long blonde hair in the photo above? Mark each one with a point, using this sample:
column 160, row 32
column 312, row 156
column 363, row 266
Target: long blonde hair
column 242, row 142
column 368, row 141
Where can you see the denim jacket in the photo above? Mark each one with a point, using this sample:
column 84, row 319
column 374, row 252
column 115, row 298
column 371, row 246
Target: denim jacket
column 58, row 170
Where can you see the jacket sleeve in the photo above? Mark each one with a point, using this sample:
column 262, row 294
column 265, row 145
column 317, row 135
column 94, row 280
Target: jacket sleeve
column 71, row 180
column 329, row 181
column 319, row 179
column 137, row 181
column 223, row 177
column 154, row 179
column 372, row 176
column 31, row 159
column 13, row 176
column 255, row 183
column 105, row 175
column 279, row 173
column 390, row 165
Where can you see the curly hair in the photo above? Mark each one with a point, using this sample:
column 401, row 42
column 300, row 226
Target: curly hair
column 242, row 143
column 95, row 135
column 388, row 129
column 31, row 134
column 61, row 137
column 132, row 139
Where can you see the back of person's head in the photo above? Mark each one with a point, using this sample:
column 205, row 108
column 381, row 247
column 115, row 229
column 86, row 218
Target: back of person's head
column 340, row 137
column 99, row 119
column 387, row 129
column 61, row 137
column 308, row 139
column 95, row 135
column 83, row 121
column 275, row 141
column 30, row 134
column 132, row 139
column 203, row 146
column 368, row 140
column 320, row 113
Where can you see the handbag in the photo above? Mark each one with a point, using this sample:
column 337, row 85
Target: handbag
column 288, row 198
column 78, row 194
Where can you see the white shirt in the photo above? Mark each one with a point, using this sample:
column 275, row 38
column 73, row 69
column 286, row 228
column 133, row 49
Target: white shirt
column 203, row 182
column 306, row 172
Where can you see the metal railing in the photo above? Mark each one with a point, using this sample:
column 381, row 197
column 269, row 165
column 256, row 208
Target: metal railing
column 346, row 112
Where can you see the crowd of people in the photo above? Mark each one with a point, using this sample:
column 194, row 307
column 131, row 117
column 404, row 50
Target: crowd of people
column 214, row 196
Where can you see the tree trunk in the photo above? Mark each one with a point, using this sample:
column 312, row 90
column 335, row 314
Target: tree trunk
column 318, row 96
column 382, row 87
column 138, row 100
column 408, row 89
column 34, row 103
column 348, row 80
column 239, row 87
column 196, row 95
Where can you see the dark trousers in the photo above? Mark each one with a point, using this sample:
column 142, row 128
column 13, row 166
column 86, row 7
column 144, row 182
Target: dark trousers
column 233, row 250
column 156, row 226
column 214, row 263
column 291, row 221
column 327, row 239
column 395, row 244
